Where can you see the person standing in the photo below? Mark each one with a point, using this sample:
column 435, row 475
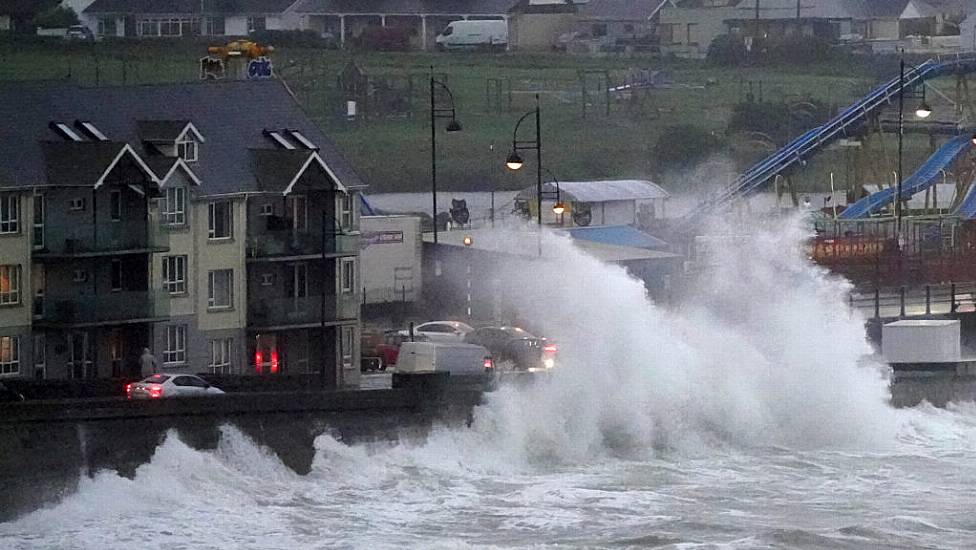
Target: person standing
column 147, row 363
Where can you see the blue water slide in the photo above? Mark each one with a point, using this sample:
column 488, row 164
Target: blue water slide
column 967, row 208
column 814, row 139
column 926, row 175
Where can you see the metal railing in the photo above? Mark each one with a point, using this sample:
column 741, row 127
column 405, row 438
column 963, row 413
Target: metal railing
column 101, row 308
column 300, row 243
column 303, row 310
column 903, row 302
column 107, row 238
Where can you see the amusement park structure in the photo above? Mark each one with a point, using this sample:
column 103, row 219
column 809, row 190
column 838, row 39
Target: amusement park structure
column 869, row 241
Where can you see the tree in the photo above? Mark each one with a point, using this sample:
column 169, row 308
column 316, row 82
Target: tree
column 56, row 18
column 684, row 145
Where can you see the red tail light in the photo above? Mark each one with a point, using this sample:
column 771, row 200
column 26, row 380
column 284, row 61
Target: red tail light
column 257, row 361
column 550, row 348
column 274, row 361
column 155, row 392
column 489, row 364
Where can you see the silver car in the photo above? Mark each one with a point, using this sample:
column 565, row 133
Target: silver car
column 159, row 386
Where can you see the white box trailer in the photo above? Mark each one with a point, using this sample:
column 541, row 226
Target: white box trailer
column 921, row 341
column 391, row 256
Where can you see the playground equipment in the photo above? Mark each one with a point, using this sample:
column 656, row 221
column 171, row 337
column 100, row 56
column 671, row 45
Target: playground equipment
column 240, row 59
column 843, row 125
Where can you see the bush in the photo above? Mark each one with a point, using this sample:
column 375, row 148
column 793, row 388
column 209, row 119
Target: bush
column 384, row 39
column 55, row 18
column 727, row 50
column 299, row 39
column 779, row 121
column 684, row 146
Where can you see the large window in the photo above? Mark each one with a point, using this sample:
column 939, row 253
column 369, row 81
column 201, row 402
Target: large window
column 221, row 221
column 115, row 205
column 296, row 284
column 348, row 275
column 256, row 24
column 174, row 274
column 174, row 206
column 346, row 343
column 298, row 212
column 38, row 221
column 9, row 355
column 215, row 26
column 9, row 284
column 345, row 211
column 220, row 355
column 175, row 26
column 149, row 27
column 10, row 213
column 107, row 26
column 220, row 289
column 175, row 352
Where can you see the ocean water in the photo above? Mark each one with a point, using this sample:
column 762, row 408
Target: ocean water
column 745, row 418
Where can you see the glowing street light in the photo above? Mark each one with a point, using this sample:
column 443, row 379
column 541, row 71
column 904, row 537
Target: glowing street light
column 558, row 208
column 923, row 110
column 514, row 161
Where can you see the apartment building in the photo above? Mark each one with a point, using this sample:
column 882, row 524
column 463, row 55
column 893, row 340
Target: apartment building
column 212, row 223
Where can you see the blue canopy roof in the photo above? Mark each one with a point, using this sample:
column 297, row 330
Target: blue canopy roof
column 618, row 235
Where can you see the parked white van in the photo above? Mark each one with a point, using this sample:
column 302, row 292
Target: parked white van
column 491, row 34
column 455, row 358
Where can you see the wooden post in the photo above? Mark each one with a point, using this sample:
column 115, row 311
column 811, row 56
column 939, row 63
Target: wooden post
column 901, row 292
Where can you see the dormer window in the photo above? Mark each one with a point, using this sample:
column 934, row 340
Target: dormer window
column 187, row 150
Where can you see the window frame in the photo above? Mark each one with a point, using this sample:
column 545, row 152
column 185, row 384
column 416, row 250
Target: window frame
column 9, row 214
column 115, row 205
column 175, row 286
column 12, row 296
column 351, row 288
column 184, row 146
column 212, row 209
column 220, row 355
column 212, row 297
column 345, row 210
column 40, row 213
column 174, row 215
column 9, row 365
column 116, row 283
column 347, row 345
column 175, row 336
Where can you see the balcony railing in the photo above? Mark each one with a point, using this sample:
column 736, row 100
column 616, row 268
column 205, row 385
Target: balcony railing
column 302, row 311
column 109, row 238
column 269, row 244
column 112, row 307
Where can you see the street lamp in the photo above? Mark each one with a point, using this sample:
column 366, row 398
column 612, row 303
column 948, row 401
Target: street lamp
column 923, row 111
column 453, row 126
column 514, row 161
column 558, row 208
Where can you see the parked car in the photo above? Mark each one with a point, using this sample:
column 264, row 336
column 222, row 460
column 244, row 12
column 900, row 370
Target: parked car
column 440, row 331
column 516, row 346
column 453, row 357
column 79, row 32
column 490, row 34
column 160, row 386
column 9, row 395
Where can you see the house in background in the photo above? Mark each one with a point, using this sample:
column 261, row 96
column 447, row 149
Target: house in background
column 603, row 202
column 182, row 18
column 344, row 20
column 686, row 28
column 159, row 217
column 582, row 25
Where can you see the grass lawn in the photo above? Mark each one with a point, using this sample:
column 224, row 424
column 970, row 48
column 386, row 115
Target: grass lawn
column 392, row 153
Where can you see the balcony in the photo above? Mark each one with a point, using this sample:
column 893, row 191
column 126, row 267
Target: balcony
column 102, row 309
column 305, row 311
column 269, row 245
column 109, row 239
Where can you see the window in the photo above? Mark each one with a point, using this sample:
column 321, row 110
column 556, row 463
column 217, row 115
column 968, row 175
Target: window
column 692, row 34
column 256, row 24
column 149, row 27
column 169, row 27
column 298, row 211
column 174, row 206
column 40, row 357
column 10, row 213
column 76, row 205
column 115, row 205
column 107, row 26
column 267, row 210
column 345, row 211
column 346, row 344
column 598, row 30
column 348, row 275
column 175, row 351
column 666, row 33
column 220, row 355
column 220, row 220
column 9, row 284
column 187, row 150
column 215, row 26
column 296, row 284
column 174, row 274
column 9, row 355
column 220, row 289
column 38, row 221
column 116, row 275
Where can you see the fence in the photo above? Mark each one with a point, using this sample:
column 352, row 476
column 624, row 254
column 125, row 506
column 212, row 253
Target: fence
column 902, row 302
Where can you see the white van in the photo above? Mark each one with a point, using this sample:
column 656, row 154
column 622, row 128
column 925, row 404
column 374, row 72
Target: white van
column 490, row 34
column 454, row 358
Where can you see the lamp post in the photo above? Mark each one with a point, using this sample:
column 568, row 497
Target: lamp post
column 453, row 126
column 558, row 208
column 923, row 111
column 514, row 161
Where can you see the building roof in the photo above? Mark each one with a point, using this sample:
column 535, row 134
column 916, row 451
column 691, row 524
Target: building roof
column 632, row 10
column 188, row 6
column 405, row 7
column 617, row 235
column 231, row 116
column 601, row 191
